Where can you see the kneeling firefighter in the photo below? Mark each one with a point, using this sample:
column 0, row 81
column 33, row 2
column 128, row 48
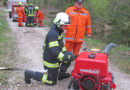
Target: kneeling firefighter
column 56, row 59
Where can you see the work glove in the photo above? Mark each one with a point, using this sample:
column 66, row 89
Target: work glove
column 69, row 53
column 66, row 58
column 74, row 57
column 69, row 56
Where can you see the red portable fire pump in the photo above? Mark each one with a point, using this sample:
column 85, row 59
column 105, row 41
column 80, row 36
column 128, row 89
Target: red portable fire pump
column 91, row 71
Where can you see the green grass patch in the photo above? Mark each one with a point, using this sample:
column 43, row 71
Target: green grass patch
column 119, row 56
column 6, row 48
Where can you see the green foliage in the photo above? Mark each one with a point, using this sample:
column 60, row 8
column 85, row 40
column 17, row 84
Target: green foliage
column 114, row 13
column 120, row 22
column 98, row 8
column 120, row 55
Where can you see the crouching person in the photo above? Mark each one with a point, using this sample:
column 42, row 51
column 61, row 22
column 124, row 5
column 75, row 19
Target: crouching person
column 56, row 59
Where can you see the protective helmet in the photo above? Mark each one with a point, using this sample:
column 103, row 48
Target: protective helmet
column 61, row 19
column 19, row 3
column 79, row 1
column 36, row 8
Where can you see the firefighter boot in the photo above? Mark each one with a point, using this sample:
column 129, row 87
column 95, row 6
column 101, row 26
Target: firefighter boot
column 28, row 76
column 63, row 75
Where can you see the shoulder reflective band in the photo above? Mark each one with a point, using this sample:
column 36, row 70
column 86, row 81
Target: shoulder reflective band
column 50, row 65
column 72, row 12
column 60, row 56
column 60, row 37
column 64, row 49
column 89, row 26
column 53, row 44
column 83, row 14
column 44, row 79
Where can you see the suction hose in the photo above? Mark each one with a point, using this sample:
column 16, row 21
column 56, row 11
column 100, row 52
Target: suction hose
column 108, row 47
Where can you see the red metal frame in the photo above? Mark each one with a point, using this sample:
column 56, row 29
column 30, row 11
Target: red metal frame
column 96, row 66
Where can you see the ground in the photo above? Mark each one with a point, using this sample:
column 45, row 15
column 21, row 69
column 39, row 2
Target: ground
column 29, row 42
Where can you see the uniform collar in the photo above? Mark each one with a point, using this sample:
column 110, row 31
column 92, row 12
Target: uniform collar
column 76, row 9
column 59, row 30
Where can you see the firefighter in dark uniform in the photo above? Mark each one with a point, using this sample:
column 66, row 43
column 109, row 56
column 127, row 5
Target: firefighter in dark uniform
column 30, row 19
column 56, row 59
column 26, row 12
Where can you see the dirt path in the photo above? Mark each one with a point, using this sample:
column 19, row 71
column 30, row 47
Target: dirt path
column 29, row 55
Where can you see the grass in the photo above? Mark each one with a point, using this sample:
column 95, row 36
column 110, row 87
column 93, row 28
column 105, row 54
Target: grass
column 119, row 56
column 6, row 48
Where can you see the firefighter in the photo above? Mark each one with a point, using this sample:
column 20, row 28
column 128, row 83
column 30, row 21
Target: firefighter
column 20, row 11
column 56, row 59
column 26, row 12
column 80, row 22
column 39, row 15
column 30, row 18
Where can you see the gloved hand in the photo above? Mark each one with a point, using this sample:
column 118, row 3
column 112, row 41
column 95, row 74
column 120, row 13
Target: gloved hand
column 69, row 53
column 69, row 56
column 66, row 57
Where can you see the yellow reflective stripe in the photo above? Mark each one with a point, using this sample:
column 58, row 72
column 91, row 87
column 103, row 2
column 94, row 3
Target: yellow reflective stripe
column 44, row 78
column 60, row 37
column 50, row 65
column 64, row 49
column 48, row 81
column 53, row 44
column 60, row 56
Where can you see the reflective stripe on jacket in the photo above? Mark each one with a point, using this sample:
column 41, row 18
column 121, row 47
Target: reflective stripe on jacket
column 31, row 11
column 26, row 10
column 53, row 48
column 80, row 22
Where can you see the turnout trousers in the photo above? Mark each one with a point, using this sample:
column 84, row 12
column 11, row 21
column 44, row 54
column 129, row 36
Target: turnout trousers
column 30, row 20
column 50, row 78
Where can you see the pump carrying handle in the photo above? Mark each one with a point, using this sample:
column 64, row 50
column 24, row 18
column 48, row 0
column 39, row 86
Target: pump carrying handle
column 106, row 50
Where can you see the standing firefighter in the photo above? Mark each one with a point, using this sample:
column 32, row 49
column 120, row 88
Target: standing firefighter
column 20, row 11
column 30, row 18
column 39, row 15
column 54, row 54
column 80, row 22
column 26, row 12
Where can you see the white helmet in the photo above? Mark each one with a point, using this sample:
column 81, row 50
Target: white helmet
column 61, row 19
